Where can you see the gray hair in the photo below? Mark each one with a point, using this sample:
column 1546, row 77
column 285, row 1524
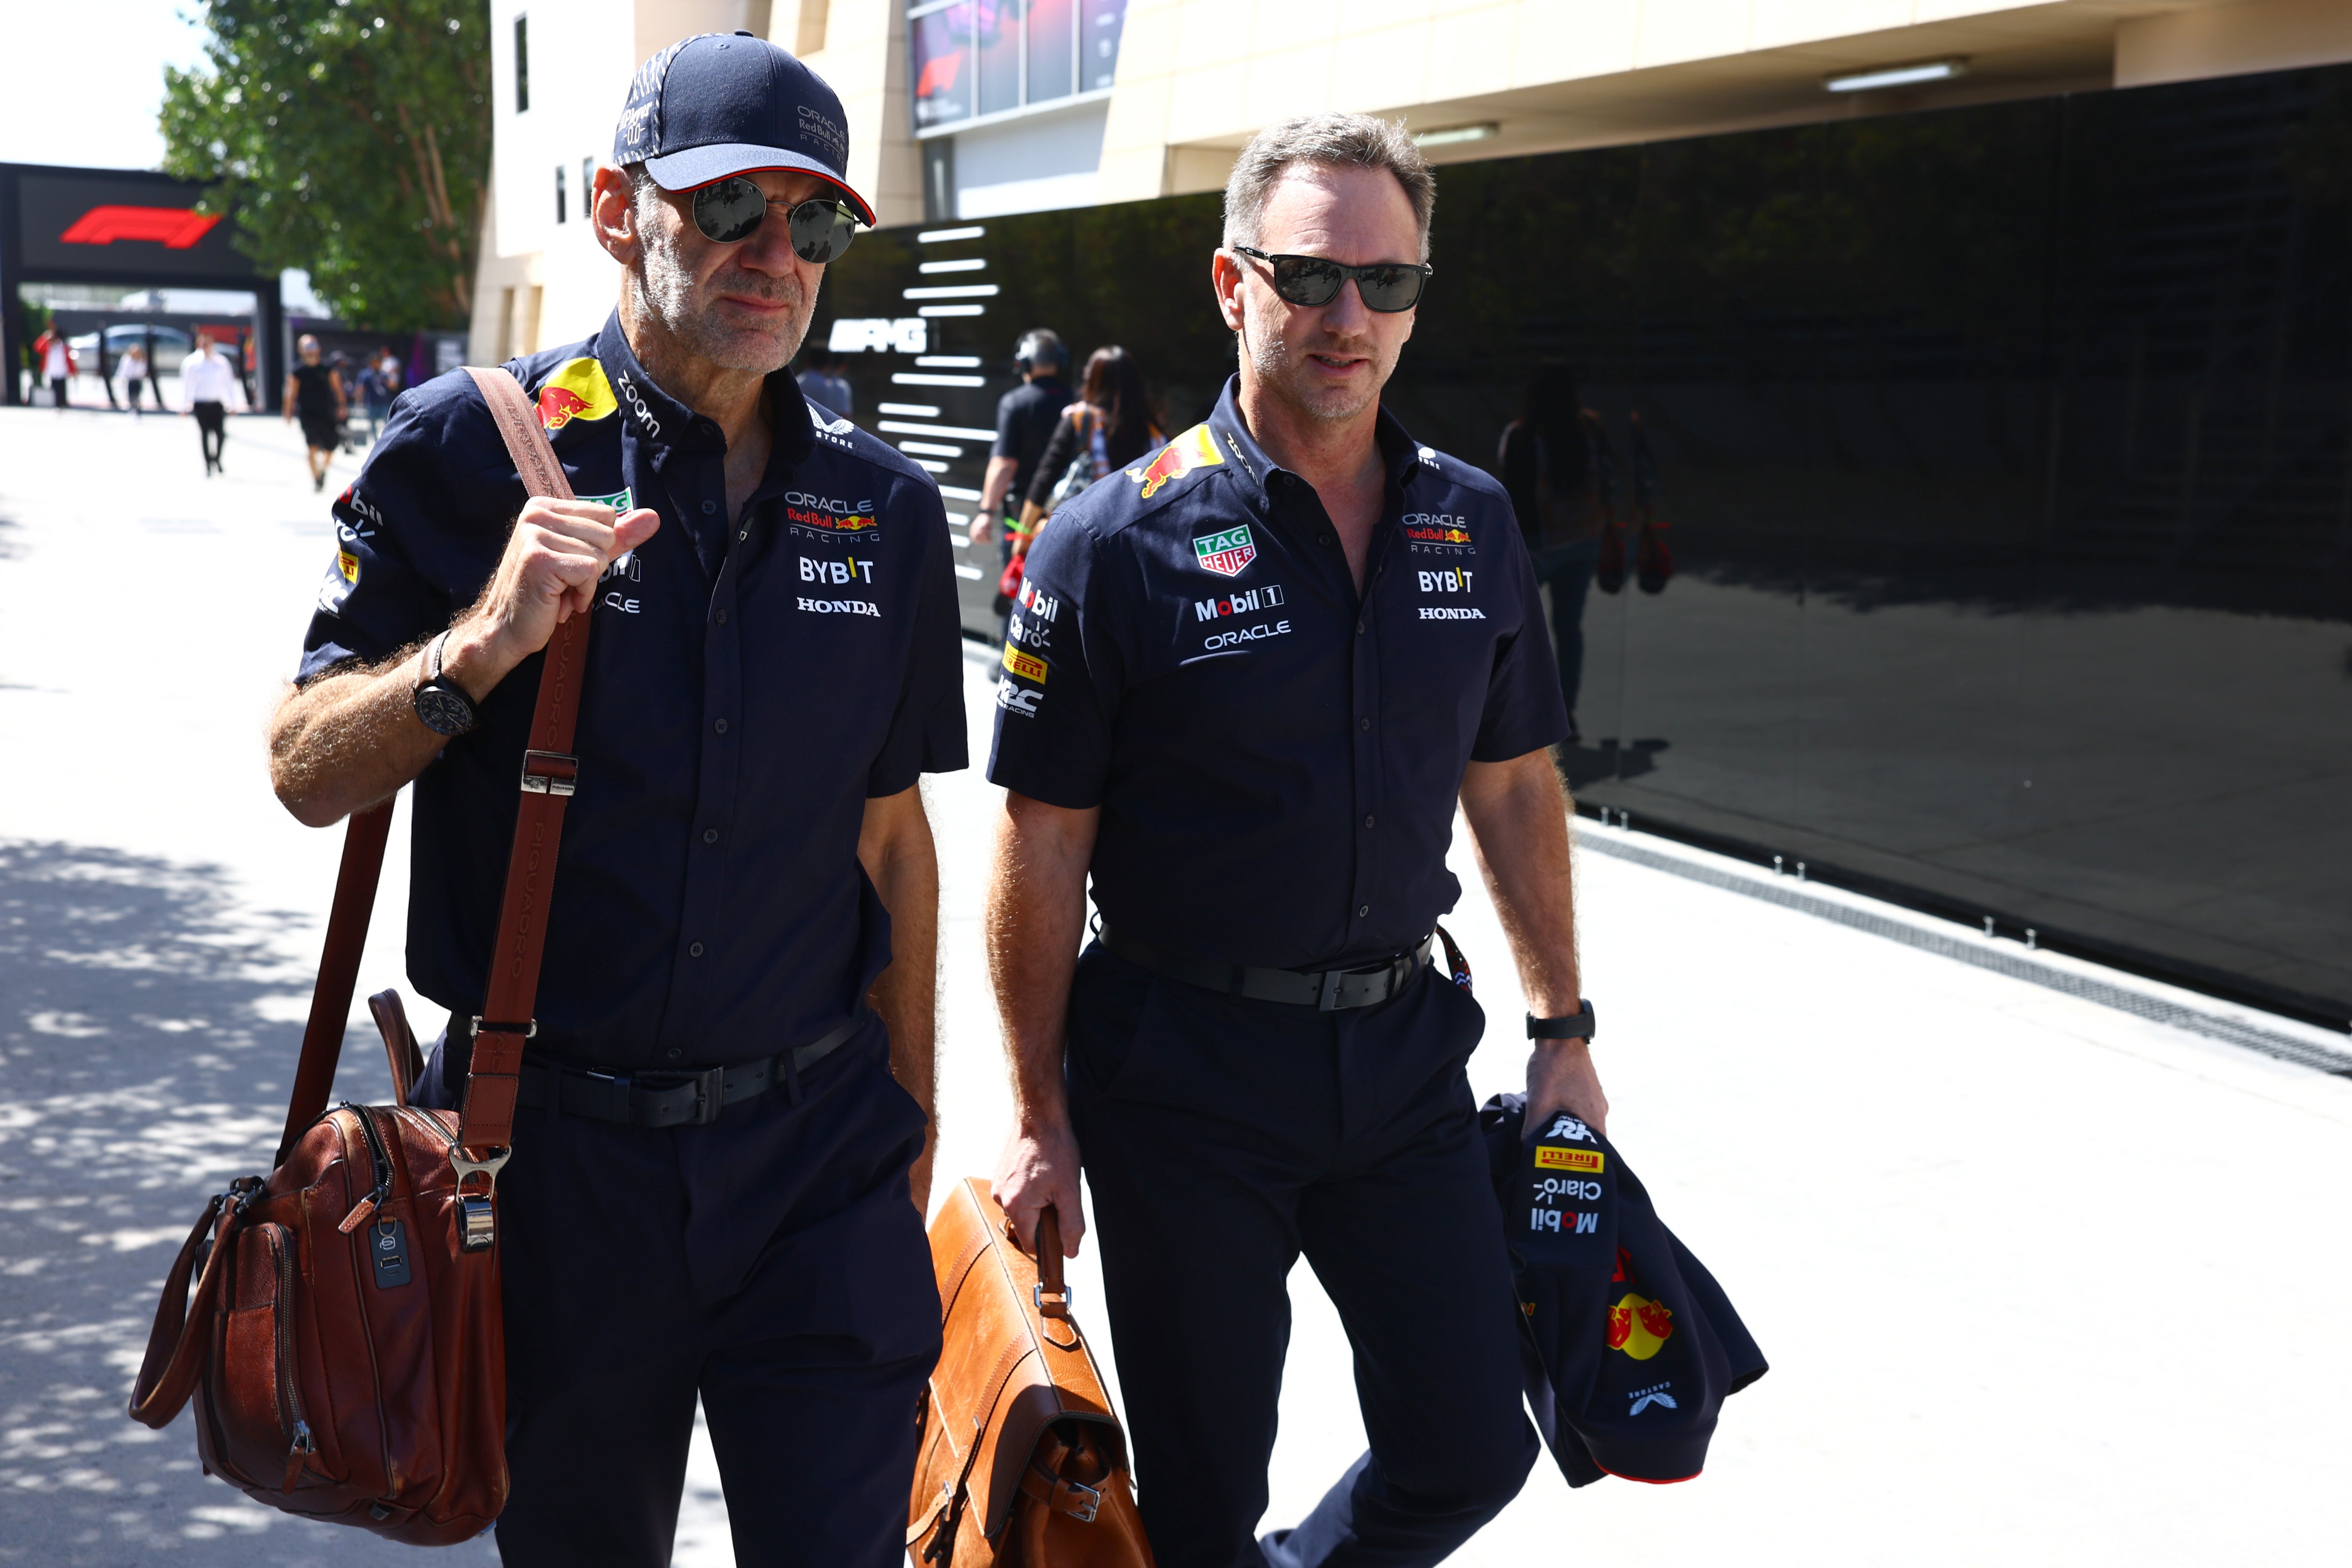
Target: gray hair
column 1358, row 141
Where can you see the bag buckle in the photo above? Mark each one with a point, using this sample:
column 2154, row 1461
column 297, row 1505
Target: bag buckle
column 1086, row 1501
column 478, row 1224
column 549, row 773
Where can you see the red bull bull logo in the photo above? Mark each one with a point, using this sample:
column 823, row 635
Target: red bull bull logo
column 1639, row 1326
column 577, row 390
column 1196, row 449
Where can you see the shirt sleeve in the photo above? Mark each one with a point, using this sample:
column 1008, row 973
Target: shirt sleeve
column 926, row 731
column 1524, row 711
column 1008, row 426
column 1063, row 672
column 408, row 551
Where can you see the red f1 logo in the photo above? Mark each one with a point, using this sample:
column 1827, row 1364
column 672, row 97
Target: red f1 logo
column 176, row 228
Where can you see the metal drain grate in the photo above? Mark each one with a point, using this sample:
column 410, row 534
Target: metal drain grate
column 2214, row 1027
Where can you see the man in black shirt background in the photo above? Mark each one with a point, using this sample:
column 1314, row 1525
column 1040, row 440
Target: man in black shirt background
column 1026, row 417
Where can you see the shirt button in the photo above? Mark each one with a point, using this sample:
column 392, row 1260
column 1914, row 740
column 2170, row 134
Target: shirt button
column 694, row 951
column 720, row 726
column 673, row 1053
column 1364, row 911
column 1368, row 821
column 721, row 617
column 1322, row 539
column 710, row 835
column 709, row 507
column 1363, row 723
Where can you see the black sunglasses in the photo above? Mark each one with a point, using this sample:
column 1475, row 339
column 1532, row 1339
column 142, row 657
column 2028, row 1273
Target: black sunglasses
column 1384, row 286
column 733, row 209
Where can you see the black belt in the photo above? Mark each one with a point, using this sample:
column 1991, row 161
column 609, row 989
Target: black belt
column 1324, row 990
column 668, row 1097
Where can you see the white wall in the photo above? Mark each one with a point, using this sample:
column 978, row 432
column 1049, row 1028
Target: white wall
column 1031, row 164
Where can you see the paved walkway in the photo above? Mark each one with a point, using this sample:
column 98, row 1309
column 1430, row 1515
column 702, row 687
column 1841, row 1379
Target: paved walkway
column 2041, row 1281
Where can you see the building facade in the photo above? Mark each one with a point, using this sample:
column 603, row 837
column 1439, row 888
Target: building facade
column 1987, row 368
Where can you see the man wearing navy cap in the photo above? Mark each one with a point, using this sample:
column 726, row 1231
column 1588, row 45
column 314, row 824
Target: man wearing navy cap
column 728, row 1096
column 1246, row 688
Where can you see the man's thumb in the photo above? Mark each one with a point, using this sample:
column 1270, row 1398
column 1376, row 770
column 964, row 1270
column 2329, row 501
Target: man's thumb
column 635, row 528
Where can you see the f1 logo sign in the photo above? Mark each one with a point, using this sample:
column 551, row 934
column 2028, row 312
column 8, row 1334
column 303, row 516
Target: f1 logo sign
column 175, row 228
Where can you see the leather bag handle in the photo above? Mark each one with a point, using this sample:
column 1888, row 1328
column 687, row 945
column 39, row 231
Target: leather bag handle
column 549, row 773
column 1053, row 1294
column 181, row 1341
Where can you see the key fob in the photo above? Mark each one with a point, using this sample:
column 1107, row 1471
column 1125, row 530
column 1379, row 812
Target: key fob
column 1567, row 1216
column 388, row 1244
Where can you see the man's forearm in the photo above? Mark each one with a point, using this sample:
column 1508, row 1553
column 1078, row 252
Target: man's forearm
column 1518, row 826
column 349, row 740
column 1036, row 923
column 907, row 994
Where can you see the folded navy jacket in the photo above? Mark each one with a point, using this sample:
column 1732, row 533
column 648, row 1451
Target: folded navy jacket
column 1631, row 1347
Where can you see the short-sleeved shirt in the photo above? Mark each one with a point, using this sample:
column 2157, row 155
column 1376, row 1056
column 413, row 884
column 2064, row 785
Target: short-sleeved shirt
column 1277, row 757
column 1026, row 417
column 750, row 683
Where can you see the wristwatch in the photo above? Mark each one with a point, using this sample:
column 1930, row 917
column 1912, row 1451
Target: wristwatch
column 1577, row 1026
column 440, row 705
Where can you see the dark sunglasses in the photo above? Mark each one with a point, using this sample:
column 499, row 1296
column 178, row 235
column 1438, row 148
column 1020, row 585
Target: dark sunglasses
column 733, row 209
column 1384, row 286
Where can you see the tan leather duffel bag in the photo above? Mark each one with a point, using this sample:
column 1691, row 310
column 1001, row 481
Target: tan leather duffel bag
column 1023, row 1463
column 344, row 1341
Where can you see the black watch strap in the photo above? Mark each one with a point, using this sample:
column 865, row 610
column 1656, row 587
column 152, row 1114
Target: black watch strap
column 1577, row 1026
column 441, row 705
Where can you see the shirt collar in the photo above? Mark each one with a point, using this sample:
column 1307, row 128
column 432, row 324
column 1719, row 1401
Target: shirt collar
column 1399, row 451
column 665, row 421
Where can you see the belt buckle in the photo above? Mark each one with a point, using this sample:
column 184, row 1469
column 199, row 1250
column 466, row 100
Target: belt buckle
column 709, row 1091
column 1327, row 994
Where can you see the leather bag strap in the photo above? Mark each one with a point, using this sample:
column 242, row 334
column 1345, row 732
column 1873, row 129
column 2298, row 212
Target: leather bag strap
column 339, row 972
column 180, row 1340
column 550, row 771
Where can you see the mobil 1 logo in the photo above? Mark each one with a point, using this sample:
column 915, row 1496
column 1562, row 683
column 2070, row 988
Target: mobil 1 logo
column 1567, row 1216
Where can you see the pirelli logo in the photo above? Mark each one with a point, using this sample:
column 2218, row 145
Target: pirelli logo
column 1027, row 665
column 1569, row 1160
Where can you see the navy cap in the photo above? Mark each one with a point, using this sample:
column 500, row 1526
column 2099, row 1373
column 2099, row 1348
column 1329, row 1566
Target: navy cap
column 720, row 104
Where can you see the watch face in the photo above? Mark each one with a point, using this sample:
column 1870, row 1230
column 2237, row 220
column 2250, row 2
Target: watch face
column 445, row 712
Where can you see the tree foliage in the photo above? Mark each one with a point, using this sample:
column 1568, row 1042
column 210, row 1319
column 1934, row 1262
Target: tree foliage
column 351, row 138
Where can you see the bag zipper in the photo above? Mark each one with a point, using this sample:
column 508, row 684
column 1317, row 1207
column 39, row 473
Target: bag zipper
column 291, row 1402
column 368, row 1205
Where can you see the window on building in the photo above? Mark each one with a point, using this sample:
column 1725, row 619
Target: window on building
column 523, row 64
column 559, row 193
column 970, row 57
column 587, row 187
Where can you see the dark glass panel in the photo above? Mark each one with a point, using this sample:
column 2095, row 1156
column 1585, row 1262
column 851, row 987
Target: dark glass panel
column 1100, row 23
column 1053, row 40
column 997, row 24
column 938, row 52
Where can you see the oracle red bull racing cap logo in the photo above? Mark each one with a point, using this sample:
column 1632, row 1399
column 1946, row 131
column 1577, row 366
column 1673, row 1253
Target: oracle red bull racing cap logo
column 577, row 390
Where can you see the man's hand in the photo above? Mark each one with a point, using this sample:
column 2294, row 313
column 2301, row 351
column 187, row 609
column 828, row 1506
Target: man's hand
column 981, row 533
column 558, row 550
column 1039, row 1169
column 1560, row 1077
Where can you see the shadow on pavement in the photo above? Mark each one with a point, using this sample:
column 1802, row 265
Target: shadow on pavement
column 145, row 1057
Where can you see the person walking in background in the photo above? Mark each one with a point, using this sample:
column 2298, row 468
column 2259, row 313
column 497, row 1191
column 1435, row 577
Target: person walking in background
column 57, row 360
column 823, row 385
column 1561, row 473
column 314, row 394
column 133, row 366
column 1026, row 417
column 376, row 400
column 1107, row 428
column 208, row 384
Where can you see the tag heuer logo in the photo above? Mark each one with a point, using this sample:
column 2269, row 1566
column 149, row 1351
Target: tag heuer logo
column 1225, row 552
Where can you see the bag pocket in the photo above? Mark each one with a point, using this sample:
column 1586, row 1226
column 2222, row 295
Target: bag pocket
column 264, row 1431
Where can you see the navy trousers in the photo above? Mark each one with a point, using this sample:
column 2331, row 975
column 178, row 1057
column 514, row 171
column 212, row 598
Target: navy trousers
column 770, row 1262
column 1221, row 1139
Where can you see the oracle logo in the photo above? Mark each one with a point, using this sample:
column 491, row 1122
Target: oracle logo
column 175, row 228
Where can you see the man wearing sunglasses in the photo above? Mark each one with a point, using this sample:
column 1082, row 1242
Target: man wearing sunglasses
column 1251, row 682
column 725, row 1103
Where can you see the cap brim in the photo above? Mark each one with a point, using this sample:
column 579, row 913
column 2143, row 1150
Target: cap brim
column 699, row 166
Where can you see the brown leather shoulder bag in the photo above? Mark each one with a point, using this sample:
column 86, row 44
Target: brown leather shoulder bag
column 1023, row 1464
column 343, row 1339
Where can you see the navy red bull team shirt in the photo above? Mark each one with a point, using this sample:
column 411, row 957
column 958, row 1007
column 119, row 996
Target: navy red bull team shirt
column 1276, row 758
column 750, row 683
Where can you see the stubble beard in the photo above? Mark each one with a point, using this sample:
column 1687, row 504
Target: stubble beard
column 666, row 289
column 1281, row 367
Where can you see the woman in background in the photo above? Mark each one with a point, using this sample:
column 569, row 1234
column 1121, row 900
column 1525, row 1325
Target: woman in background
column 1107, row 428
column 1562, row 474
